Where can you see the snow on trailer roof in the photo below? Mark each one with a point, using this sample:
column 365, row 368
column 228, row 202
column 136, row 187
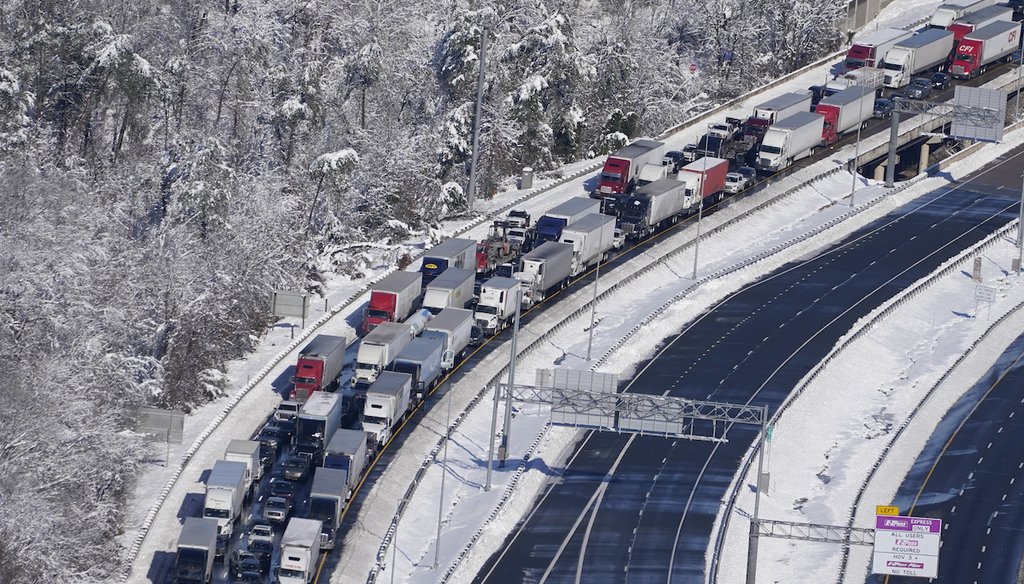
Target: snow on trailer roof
column 847, row 96
column 797, row 120
column 984, row 14
column 300, row 532
column 387, row 331
column 878, row 37
column 390, row 383
column 448, row 319
column 449, row 248
column 397, row 281
column 925, row 38
column 346, row 441
column 573, row 206
column 994, row 30
column 785, row 100
column 198, row 532
column 419, row 349
column 702, row 164
column 450, row 278
column 549, row 250
column 660, row 187
column 319, row 404
column 226, row 473
column 637, row 148
column 242, row 446
column 590, row 222
column 329, row 481
column 500, row 282
column 323, row 345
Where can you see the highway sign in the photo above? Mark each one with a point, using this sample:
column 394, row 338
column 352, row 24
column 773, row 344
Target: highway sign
column 886, row 510
column 985, row 294
column 906, row 546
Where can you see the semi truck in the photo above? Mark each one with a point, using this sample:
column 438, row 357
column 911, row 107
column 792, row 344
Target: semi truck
column 347, row 451
column 248, row 453
column 300, row 550
column 979, row 49
column 316, row 424
column 225, row 490
column 393, row 298
column 549, row 227
column 650, row 207
column 870, row 77
column 768, row 113
column 421, row 359
column 623, row 166
column 845, row 111
column 704, row 182
column 497, row 305
column 197, row 546
column 378, row 349
column 949, row 12
column 319, row 365
column 387, row 402
column 869, row 50
column 590, row 237
column 927, row 50
column 789, row 140
column 454, row 287
column 544, row 270
column 454, row 326
column 451, row 253
column 979, row 20
column 650, row 173
column 327, row 499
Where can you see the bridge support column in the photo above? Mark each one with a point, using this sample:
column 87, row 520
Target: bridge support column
column 922, row 163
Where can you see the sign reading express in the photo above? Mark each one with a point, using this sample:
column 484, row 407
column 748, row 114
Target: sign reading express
column 906, row 546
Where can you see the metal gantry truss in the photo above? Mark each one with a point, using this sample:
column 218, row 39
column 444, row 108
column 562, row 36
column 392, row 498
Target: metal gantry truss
column 814, row 532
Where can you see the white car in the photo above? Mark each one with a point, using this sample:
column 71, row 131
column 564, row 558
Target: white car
column 261, row 531
column 619, row 239
column 737, row 181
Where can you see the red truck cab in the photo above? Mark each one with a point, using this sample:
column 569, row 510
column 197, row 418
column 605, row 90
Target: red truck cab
column 614, row 176
column 381, row 309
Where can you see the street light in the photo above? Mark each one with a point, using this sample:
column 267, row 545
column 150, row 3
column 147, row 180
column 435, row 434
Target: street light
column 593, row 309
column 503, row 449
column 696, row 247
column 471, row 195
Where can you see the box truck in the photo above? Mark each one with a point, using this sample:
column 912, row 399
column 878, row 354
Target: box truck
column 316, row 424
column 771, row 111
column 421, row 359
column 319, row 365
column 789, row 140
column 549, row 227
column 981, row 48
column 327, row 499
column 454, row 287
column 590, row 237
column 869, row 50
column 387, row 402
column 980, row 19
column 544, row 270
column 393, row 298
column 451, row 253
column 653, row 206
column 300, row 551
column 622, row 167
column 845, row 111
column 920, row 53
column 497, row 305
column 704, row 182
column 378, row 349
column 347, row 451
column 454, row 326
column 248, row 453
column 197, row 546
column 948, row 12
column 225, row 489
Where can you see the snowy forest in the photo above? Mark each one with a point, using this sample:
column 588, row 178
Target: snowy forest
column 164, row 165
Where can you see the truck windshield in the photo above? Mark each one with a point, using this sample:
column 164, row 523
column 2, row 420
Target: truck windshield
column 893, row 66
column 770, row 149
column 322, row 510
column 215, row 513
column 964, row 57
column 374, row 313
column 366, row 366
column 484, row 309
column 297, row 574
column 306, row 380
column 611, row 177
column 375, row 420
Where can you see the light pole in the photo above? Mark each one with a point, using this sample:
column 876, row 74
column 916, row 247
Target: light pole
column 856, row 148
column 494, row 428
column 1020, row 227
column 1020, row 63
column 503, row 449
column 754, row 525
column 593, row 309
column 471, row 195
column 696, row 247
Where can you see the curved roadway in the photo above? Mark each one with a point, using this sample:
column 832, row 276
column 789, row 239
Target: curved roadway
column 641, row 509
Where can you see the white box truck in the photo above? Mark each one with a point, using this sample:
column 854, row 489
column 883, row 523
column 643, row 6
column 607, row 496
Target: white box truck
column 248, row 453
column 421, row 359
column 920, row 53
column 948, row 12
column 316, row 424
column 387, row 402
column 327, row 499
column 454, row 287
column 225, row 489
column 544, row 270
column 789, row 140
column 869, row 50
column 197, row 546
column 347, row 451
column 455, row 327
column 549, row 226
column 378, row 349
column 590, row 237
column 497, row 305
column 300, row 551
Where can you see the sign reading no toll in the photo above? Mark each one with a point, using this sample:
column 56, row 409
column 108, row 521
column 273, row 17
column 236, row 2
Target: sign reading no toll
column 906, row 546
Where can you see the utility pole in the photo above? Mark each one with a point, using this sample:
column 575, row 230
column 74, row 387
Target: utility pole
column 696, row 247
column 593, row 309
column 471, row 195
column 503, row 449
column 1020, row 226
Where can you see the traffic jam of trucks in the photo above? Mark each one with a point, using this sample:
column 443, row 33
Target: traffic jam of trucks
column 419, row 326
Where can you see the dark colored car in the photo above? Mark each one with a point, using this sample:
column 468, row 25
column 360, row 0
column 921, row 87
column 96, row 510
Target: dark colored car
column 244, row 561
column 287, row 429
column 940, row 81
column 272, row 433
column 296, row 468
column 883, row 108
column 264, row 552
column 919, row 88
column 673, row 159
column 268, row 455
column 280, row 487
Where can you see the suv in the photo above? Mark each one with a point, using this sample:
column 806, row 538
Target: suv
column 277, row 509
column 287, row 410
column 883, row 108
column 940, row 81
column 260, row 532
column 296, row 468
column 919, row 88
column 742, row 178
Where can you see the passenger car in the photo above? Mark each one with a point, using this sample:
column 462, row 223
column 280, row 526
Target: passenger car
column 919, row 88
column 280, row 487
column 883, row 108
column 940, row 81
column 277, row 509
